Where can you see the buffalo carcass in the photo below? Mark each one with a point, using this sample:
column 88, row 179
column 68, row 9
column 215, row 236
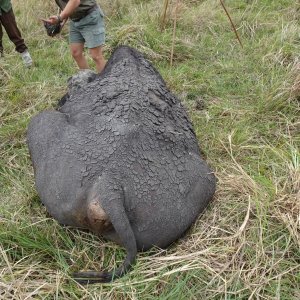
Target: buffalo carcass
column 120, row 158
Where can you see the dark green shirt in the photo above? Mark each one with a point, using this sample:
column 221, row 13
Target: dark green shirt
column 5, row 5
column 81, row 10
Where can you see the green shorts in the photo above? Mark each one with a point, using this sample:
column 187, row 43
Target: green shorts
column 89, row 30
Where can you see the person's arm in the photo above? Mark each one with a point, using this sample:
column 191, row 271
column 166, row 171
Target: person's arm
column 67, row 11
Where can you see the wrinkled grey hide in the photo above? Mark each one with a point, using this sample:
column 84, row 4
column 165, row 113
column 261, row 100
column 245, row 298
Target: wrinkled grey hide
column 120, row 158
column 76, row 83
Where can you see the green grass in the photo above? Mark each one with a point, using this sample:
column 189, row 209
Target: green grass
column 244, row 104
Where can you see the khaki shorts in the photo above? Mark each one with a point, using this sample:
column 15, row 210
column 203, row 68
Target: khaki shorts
column 90, row 30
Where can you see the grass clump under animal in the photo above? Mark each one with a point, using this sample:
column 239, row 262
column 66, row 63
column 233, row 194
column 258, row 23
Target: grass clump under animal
column 244, row 104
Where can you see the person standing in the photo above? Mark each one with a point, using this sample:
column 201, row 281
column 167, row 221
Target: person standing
column 86, row 28
column 8, row 21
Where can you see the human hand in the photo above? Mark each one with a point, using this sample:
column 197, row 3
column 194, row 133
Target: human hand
column 52, row 29
column 52, row 20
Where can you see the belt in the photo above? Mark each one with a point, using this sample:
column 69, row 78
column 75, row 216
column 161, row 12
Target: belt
column 85, row 13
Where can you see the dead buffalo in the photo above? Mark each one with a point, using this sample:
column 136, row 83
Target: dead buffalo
column 120, row 158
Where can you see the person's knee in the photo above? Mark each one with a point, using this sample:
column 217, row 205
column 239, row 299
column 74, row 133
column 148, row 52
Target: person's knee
column 97, row 56
column 76, row 53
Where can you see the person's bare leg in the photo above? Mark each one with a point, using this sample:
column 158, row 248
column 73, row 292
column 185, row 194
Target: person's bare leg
column 78, row 55
column 97, row 56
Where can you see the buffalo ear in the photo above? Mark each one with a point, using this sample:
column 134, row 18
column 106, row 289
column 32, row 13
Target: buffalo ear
column 62, row 101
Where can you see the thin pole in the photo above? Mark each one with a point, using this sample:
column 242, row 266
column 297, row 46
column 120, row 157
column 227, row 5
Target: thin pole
column 174, row 33
column 164, row 15
column 234, row 29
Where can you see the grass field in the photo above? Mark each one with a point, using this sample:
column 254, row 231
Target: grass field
column 244, row 104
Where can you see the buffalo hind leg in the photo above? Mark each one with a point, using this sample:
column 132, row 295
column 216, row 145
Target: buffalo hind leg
column 111, row 201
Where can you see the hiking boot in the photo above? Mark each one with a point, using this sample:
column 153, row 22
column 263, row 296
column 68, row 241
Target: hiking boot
column 26, row 59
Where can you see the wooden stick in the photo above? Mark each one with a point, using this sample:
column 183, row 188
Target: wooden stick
column 174, row 33
column 234, row 29
column 164, row 15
